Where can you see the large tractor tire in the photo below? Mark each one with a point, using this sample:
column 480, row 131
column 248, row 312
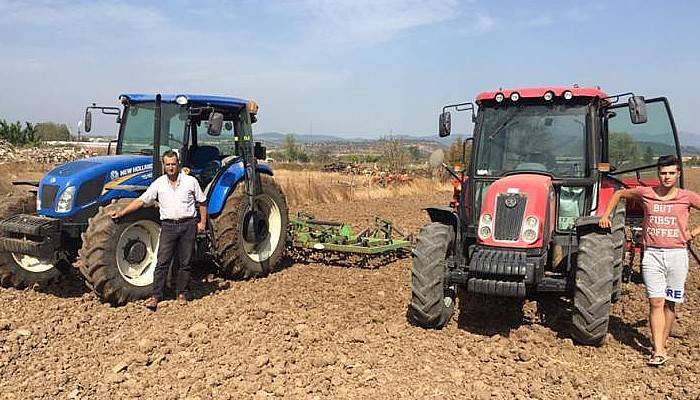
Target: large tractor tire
column 617, row 230
column 238, row 258
column 21, row 270
column 432, row 304
column 118, row 258
column 594, row 286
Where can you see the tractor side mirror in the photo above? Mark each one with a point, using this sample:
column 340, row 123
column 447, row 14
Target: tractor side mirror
column 88, row 121
column 445, row 124
column 215, row 123
column 638, row 109
column 259, row 151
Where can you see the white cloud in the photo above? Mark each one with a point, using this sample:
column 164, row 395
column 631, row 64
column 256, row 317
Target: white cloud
column 542, row 20
column 361, row 23
column 584, row 11
column 484, row 23
column 61, row 13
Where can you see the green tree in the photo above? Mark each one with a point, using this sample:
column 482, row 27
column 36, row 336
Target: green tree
column 18, row 135
column 623, row 150
column 292, row 151
column 394, row 154
column 414, row 152
column 52, row 131
column 648, row 155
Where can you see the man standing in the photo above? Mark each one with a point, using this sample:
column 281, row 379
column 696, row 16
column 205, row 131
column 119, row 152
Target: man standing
column 665, row 262
column 177, row 194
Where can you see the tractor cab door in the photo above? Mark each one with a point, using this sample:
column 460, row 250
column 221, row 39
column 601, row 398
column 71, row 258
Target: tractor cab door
column 633, row 149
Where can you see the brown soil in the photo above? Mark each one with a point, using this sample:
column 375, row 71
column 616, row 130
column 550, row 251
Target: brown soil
column 313, row 331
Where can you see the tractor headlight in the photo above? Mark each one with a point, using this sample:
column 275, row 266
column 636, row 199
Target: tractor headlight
column 65, row 202
column 485, row 225
column 529, row 235
column 531, row 222
column 484, row 232
column 548, row 96
column 568, row 95
column 499, row 97
column 515, row 96
column 181, row 100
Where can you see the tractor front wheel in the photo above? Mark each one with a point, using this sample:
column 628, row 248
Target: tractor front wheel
column 21, row 270
column 432, row 304
column 617, row 229
column 118, row 258
column 242, row 259
column 594, row 287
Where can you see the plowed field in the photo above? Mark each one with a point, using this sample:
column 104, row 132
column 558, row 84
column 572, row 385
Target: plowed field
column 328, row 332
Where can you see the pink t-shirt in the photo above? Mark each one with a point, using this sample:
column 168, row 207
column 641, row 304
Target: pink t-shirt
column 666, row 222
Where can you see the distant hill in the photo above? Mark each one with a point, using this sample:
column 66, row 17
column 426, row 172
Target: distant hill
column 276, row 138
column 689, row 139
column 690, row 142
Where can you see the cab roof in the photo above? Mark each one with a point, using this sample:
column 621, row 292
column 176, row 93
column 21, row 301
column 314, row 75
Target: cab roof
column 218, row 101
column 536, row 92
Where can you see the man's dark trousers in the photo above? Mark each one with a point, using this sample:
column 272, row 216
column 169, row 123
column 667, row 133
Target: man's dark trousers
column 176, row 239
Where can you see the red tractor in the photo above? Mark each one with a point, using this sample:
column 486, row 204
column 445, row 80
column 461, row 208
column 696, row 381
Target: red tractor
column 544, row 163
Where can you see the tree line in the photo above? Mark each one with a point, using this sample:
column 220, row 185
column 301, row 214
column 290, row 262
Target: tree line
column 29, row 134
column 391, row 152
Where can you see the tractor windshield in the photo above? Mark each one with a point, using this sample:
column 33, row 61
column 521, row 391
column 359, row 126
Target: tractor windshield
column 546, row 138
column 137, row 134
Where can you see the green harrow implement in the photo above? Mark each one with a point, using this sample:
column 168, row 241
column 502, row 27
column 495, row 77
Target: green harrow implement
column 314, row 235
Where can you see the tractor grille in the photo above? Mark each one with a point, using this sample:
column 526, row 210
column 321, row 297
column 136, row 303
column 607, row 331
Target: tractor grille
column 48, row 195
column 90, row 190
column 510, row 208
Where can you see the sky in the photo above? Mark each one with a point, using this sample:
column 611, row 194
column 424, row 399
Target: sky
column 353, row 68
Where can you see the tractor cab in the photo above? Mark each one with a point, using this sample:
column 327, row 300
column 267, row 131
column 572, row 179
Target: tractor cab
column 202, row 130
column 544, row 164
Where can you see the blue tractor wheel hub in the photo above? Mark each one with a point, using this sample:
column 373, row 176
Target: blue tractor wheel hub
column 135, row 251
column 254, row 226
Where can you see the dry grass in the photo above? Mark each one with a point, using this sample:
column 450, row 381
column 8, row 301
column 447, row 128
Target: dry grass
column 20, row 170
column 307, row 187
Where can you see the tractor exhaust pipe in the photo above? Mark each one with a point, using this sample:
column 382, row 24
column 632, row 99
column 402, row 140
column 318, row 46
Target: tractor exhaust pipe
column 157, row 168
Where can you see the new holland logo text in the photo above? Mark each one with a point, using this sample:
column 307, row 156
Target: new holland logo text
column 131, row 170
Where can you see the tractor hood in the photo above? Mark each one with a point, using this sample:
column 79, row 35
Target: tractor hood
column 88, row 179
column 517, row 212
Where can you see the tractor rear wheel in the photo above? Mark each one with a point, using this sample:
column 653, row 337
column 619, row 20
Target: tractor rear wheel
column 118, row 258
column 594, row 286
column 21, row 270
column 617, row 229
column 239, row 258
column 432, row 304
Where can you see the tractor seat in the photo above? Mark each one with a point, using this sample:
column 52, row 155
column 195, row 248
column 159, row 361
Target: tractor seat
column 200, row 156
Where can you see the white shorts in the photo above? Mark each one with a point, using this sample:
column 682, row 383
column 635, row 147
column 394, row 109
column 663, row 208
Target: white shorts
column 664, row 272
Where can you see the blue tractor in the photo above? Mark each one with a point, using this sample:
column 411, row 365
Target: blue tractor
column 66, row 220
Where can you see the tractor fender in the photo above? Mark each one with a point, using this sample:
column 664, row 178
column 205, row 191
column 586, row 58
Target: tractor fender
column 443, row 215
column 226, row 182
column 587, row 223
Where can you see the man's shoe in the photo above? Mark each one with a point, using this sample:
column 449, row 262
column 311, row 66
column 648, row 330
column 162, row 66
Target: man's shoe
column 181, row 299
column 151, row 303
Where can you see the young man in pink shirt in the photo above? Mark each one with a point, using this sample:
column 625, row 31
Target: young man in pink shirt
column 666, row 234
